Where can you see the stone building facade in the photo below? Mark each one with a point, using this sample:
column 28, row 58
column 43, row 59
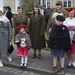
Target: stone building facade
column 15, row 3
column 10, row 3
column 66, row 3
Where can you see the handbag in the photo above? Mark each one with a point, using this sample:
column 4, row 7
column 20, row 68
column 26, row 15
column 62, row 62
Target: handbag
column 11, row 48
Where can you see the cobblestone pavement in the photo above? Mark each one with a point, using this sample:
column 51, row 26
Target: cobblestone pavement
column 41, row 65
column 18, row 71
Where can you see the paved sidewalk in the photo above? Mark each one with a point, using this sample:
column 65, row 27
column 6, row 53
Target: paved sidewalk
column 40, row 65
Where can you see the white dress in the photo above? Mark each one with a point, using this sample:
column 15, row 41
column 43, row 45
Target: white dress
column 70, row 23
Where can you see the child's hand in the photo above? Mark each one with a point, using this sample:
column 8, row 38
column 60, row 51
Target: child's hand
column 22, row 39
column 41, row 34
column 50, row 30
column 18, row 44
column 10, row 39
column 28, row 48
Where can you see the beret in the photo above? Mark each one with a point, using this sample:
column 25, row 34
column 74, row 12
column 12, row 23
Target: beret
column 60, row 18
column 70, row 9
column 21, row 26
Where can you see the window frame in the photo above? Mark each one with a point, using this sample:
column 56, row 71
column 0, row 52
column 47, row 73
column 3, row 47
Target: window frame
column 67, row 3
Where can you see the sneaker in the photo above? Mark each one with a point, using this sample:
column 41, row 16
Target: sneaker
column 55, row 69
column 62, row 71
column 9, row 59
column 1, row 64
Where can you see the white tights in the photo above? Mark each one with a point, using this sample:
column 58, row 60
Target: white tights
column 24, row 59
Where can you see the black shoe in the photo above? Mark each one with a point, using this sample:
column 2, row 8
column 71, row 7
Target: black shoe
column 55, row 69
column 62, row 71
column 21, row 65
column 25, row 65
column 69, row 66
column 34, row 56
column 39, row 56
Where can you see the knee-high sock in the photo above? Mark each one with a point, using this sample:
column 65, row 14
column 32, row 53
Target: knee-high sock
column 26, row 59
column 22, row 59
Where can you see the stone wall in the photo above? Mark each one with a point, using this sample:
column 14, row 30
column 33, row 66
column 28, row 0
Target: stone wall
column 10, row 3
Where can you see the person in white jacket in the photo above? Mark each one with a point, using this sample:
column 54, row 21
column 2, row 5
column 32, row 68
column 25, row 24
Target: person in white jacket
column 70, row 23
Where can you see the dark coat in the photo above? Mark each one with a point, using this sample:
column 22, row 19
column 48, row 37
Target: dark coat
column 9, row 16
column 47, row 13
column 36, row 28
column 59, row 38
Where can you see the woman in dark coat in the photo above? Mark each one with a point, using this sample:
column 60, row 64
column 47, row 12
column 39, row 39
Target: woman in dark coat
column 9, row 14
column 18, row 19
column 36, row 30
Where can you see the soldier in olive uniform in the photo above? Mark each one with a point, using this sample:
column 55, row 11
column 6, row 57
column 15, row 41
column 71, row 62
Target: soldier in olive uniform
column 19, row 19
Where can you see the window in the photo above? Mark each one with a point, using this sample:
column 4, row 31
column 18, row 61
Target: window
column 17, row 3
column 48, row 1
column 39, row 1
column 67, row 3
column 44, row 2
column 1, row 4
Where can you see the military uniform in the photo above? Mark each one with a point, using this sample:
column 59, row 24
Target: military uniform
column 19, row 19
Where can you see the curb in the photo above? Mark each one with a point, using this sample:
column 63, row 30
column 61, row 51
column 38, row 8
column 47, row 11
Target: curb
column 31, row 69
column 35, row 70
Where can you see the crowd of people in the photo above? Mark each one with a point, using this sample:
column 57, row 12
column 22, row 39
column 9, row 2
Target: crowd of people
column 59, row 23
